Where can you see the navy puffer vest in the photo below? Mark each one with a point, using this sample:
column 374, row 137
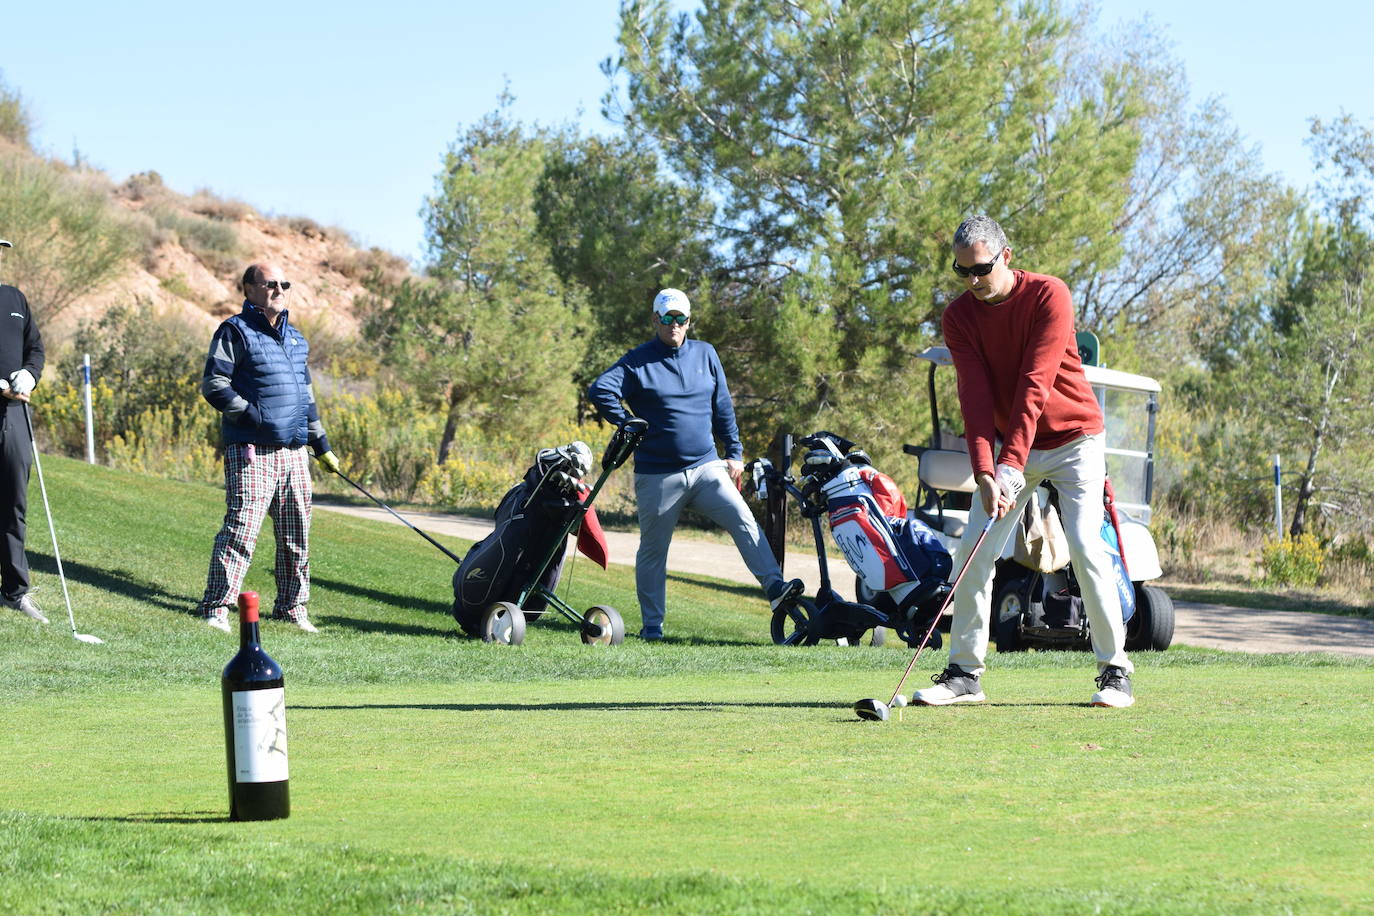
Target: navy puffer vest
column 272, row 376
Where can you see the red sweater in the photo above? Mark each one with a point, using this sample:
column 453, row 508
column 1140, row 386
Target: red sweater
column 1020, row 377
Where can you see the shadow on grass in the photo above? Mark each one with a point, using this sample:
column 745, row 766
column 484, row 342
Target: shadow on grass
column 719, row 585
column 118, row 582
column 377, row 596
column 611, row 706
column 383, row 626
column 161, row 817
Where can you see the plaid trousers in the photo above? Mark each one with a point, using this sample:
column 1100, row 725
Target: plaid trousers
column 262, row 480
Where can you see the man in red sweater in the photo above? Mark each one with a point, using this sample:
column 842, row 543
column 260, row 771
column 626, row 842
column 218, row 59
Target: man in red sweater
column 1021, row 384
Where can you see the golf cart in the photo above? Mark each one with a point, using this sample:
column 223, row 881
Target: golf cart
column 1028, row 606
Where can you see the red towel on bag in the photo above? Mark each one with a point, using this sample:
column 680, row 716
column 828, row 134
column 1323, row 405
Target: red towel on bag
column 591, row 540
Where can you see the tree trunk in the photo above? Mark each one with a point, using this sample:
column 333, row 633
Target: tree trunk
column 1306, row 489
column 450, row 430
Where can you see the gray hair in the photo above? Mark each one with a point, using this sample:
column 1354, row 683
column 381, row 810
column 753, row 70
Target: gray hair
column 981, row 228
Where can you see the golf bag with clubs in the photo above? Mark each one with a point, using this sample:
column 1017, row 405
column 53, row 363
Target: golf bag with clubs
column 901, row 565
column 899, row 561
column 532, row 522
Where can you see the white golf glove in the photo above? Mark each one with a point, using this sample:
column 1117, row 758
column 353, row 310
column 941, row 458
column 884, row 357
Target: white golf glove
column 1010, row 480
column 22, row 381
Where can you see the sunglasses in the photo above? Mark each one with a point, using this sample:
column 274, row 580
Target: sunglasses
column 283, row 285
column 977, row 270
column 673, row 319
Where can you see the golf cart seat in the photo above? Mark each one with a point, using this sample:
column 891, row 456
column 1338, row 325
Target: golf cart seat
column 941, row 471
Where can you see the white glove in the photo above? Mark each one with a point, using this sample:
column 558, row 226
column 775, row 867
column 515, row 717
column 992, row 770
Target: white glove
column 22, row 381
column 1010, row 480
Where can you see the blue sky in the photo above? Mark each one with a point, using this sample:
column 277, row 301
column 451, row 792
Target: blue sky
column 341, row 111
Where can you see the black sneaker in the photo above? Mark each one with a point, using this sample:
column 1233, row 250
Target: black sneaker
column 784, row 590
column 1113, row 688
column 953, row 685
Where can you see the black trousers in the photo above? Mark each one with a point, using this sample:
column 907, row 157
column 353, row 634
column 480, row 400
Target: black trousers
column 16, row 455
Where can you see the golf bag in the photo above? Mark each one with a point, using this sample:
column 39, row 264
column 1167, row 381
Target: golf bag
column 899, row 561
column 531, row 520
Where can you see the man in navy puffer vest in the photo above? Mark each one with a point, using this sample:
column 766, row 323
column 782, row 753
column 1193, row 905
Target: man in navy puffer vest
column 257, row 377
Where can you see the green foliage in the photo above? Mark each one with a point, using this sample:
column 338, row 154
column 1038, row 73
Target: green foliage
column 845, row 143
column 622, row 232
column 169, row 443
column 1296, row 561
column 69, row 237
column 15, row 121
column 494, row 336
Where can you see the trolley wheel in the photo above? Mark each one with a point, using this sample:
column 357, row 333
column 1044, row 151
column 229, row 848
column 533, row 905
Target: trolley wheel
column 879, row 636
column 503, row 622
column 602, row 625
column 792, row 623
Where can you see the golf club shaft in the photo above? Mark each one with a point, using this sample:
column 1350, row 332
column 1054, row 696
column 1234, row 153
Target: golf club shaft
column 42, row 488
column 450, row 554
column 943, row 606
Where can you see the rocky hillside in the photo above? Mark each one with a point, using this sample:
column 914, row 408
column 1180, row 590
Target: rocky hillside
column 194, row 250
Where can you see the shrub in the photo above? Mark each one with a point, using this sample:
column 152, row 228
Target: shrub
column 214, row 243
column 69, row 236
column 15, row 123
column 208, row 204
column 170, row 443
column 1292, row 561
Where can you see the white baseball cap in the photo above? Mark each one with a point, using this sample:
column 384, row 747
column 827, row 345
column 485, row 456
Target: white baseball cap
column 672, row 300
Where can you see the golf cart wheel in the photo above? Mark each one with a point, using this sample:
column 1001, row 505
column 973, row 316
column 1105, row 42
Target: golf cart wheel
column 792, row 623
column 1009, row 604
column 1152, row 625
column 503, row 622
column 602, row 625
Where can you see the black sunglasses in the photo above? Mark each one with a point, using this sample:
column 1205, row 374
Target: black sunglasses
column 670, row 319
column 283, row 285
column 977, row 270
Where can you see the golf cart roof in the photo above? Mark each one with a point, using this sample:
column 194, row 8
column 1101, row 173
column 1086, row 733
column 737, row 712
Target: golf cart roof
column 1096, row 375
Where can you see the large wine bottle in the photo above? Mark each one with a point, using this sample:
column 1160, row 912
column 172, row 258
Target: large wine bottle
column 254, row 725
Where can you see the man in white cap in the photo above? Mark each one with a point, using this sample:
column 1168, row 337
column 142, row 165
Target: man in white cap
column 21, row 363
column 679, row 387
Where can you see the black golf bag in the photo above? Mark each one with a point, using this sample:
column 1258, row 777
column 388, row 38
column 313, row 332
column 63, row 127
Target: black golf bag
column 532, row 522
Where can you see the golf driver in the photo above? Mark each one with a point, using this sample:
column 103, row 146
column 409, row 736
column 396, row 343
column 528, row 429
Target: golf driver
column 450, row 554
column 38, row 466
column 876, row 710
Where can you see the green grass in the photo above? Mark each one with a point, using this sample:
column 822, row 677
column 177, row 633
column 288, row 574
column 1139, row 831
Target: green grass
column 713, row 774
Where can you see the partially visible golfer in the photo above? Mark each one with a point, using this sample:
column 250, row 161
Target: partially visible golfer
column 257, row 377
column 21, row 364
column 679, row 387
column 1021, row 387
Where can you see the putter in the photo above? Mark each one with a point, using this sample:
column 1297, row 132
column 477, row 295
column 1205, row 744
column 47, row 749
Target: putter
column 38, row 466
column 357, row 486
column 876, row 710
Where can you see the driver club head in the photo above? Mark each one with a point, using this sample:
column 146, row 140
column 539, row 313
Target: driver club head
column 871, row 710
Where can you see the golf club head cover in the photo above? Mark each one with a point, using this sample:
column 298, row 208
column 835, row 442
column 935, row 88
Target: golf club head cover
column 580, row 454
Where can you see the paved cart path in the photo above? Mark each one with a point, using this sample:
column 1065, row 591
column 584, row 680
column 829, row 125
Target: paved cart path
column 1196, row 624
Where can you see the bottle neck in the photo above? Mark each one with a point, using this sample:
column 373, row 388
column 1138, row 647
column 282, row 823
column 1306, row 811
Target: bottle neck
column 248, row 627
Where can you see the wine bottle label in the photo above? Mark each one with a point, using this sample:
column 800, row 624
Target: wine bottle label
column 260, row 735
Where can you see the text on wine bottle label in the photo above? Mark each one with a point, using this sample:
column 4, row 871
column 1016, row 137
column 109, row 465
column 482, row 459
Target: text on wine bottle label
column 260, row 735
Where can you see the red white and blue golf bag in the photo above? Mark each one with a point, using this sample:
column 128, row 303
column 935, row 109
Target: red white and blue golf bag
column 891, row 554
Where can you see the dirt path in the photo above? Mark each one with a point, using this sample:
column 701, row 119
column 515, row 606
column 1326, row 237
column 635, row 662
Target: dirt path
column 1197, row 624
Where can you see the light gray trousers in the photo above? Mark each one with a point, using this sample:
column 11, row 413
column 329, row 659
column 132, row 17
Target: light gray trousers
column 1077, row 471
column 661, row 499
